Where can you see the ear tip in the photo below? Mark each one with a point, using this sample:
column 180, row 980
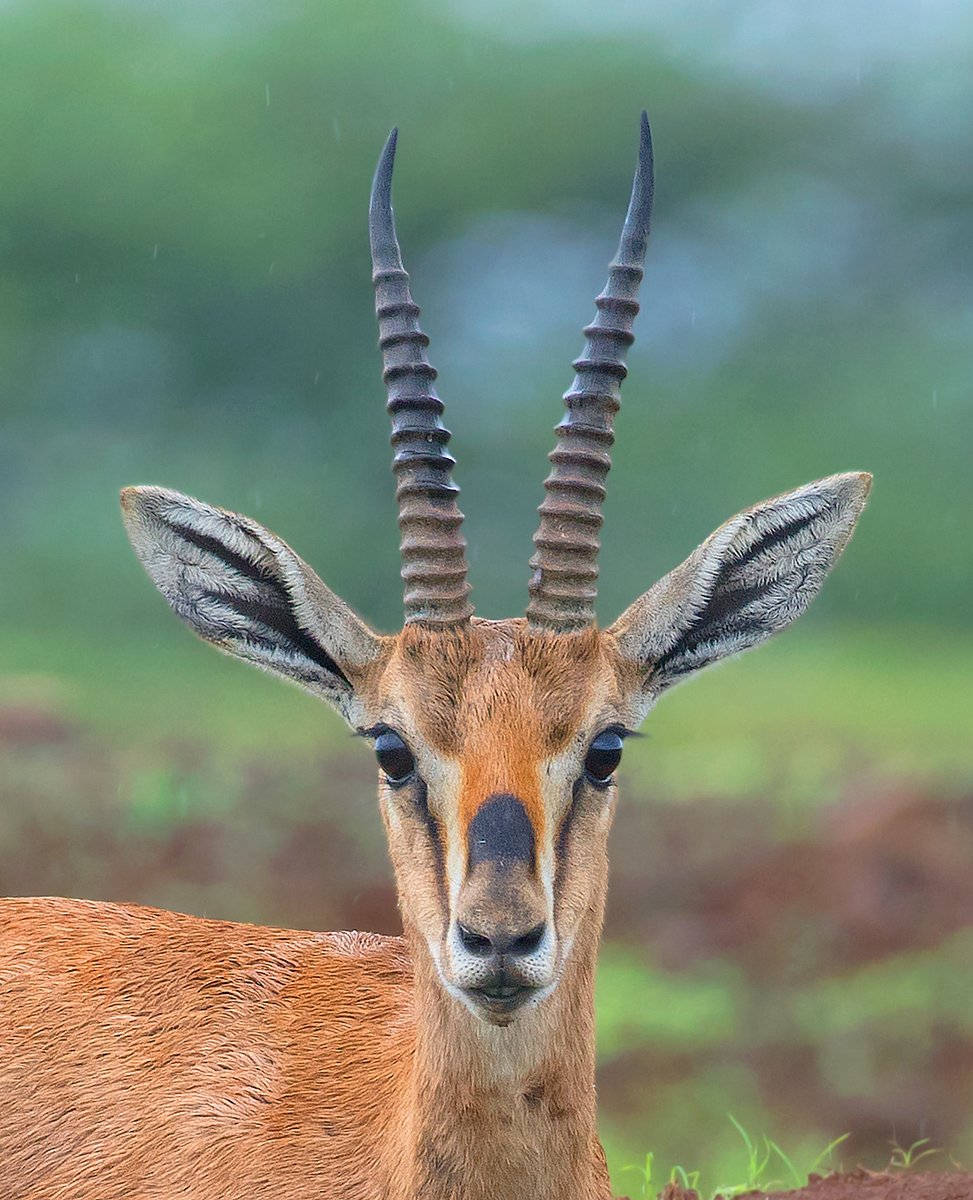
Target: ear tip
column 137, row 498
column 134, row 501
column 848, row 486
column 857, row 482
column 144, row 493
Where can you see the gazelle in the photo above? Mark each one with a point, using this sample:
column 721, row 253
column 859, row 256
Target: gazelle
column 147, row 1054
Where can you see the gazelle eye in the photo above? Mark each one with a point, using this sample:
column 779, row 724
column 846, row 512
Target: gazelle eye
column 394, row 757
column 604, row 755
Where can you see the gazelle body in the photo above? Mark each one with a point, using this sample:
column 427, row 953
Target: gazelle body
column 149, row 1054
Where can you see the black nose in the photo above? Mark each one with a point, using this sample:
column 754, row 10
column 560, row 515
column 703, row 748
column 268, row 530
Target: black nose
column 501, row 945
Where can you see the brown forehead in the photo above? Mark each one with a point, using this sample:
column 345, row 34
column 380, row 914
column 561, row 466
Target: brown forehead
column 498, row 675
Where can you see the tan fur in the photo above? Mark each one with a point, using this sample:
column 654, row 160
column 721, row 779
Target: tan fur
column 475, row 694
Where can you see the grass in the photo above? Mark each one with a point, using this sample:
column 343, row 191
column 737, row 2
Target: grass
column 801, row 714
column 651, row 1183
column 763, row 1158
column 761, row 1167
column 905, row 1157
column 154, row 688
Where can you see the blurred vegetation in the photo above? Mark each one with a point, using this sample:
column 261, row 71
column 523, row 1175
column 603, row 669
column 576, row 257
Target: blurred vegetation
column 185, row 300
column 186, row 293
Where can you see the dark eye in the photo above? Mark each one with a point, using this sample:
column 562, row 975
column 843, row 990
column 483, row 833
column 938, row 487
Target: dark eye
column 604, row 755
column 394, row 757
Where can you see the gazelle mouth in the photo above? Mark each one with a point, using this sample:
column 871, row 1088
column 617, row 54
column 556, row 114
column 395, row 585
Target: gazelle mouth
column 501, row 998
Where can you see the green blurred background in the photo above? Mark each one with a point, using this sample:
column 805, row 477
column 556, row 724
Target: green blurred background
column 185, row 300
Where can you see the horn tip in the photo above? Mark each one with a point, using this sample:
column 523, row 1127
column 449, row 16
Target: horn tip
column 645, row 171
column 645, row 145
column 382, row 182
column 638, row 219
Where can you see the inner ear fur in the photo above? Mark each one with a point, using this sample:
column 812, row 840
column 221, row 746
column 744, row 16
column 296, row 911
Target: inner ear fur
column 244, row 590
column 750, row 578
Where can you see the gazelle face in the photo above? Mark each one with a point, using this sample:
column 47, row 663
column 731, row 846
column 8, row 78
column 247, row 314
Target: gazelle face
column 496, row 740
column 497, row 749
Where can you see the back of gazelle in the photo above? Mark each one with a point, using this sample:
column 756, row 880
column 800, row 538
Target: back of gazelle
column 151, row 1055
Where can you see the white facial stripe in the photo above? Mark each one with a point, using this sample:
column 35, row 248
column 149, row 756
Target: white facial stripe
column 557, row 777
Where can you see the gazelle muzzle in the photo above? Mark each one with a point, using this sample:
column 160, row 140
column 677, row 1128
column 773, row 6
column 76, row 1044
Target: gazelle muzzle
column 501, row 945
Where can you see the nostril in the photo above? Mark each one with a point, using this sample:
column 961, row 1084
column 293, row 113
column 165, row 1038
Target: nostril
column 482, row 946
column 528, row 942
column 475, row 943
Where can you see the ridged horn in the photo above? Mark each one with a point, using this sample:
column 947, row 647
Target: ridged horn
column 563, row 586
column 433, row 563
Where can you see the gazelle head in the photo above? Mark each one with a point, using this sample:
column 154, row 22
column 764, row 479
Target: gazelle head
column 497, row 741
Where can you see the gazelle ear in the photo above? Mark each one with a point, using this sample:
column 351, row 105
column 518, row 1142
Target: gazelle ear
column 749, row 579
column 243, row 589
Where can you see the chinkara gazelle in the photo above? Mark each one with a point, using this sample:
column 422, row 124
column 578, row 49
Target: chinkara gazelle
column 147, row 1054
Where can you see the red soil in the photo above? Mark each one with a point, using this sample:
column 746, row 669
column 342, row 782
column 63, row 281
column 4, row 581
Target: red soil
column 863, row 1185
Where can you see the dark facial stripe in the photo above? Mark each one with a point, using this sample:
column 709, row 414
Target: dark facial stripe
column 561, row 845
column 436, row 842
column 501, row 832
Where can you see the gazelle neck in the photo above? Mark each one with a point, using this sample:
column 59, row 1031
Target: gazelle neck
column 506, row 1111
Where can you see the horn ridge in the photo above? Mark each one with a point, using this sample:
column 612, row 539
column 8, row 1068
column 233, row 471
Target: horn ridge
column 563, row 584
column 434, row 569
